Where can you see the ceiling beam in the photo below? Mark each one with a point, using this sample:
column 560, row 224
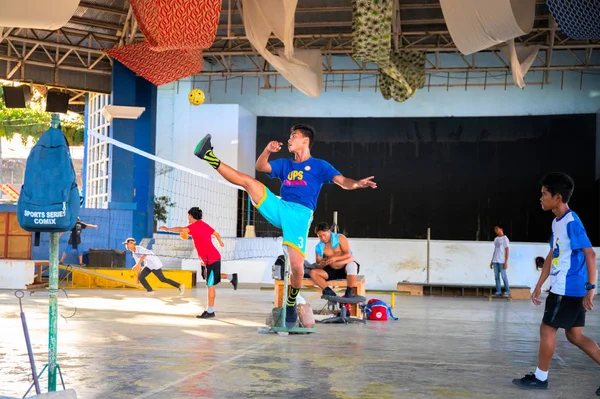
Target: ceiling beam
column 427, row 70
column 103, row 8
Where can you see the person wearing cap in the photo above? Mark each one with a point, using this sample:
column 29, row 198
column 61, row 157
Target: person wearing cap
column 151, row 263
column 75, row 239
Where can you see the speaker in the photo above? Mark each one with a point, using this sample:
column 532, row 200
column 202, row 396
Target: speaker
column 14, row 97
column 106, row 258
column 57, row 101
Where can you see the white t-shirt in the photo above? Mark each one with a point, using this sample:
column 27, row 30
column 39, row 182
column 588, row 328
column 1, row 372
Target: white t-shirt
column 568, row 273
column 500, row 245
column 152, row 261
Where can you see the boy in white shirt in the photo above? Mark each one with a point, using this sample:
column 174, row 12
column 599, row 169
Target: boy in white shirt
column 151, row 263
column 499, row 261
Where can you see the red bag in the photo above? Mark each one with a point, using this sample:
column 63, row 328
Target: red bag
column 378, row 312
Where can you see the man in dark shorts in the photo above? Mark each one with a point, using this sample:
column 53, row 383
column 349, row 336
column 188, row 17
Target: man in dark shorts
column 571, row 265
column 210, row 258
column 75, row 239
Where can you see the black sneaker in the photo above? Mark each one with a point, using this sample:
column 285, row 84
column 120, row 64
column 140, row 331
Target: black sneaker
column 203, row 146
column 234, row 280
column 530, row 382
column 206, row 315
column 329, row 292
column 598, row 391
column 291, row 316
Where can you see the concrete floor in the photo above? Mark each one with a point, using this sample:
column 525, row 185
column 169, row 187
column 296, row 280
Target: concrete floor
column 123, row 344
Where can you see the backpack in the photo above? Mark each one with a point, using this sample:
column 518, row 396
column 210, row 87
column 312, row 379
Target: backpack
column 378, row 310
column 49, row 199
column 278, row 269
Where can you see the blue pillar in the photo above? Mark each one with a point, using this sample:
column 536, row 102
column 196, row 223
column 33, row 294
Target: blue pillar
column 132, row 176
column 86, row 113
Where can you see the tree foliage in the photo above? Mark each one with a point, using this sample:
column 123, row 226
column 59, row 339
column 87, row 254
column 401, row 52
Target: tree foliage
column 33, row 121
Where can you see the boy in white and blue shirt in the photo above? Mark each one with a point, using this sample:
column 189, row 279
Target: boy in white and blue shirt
column 571, row 266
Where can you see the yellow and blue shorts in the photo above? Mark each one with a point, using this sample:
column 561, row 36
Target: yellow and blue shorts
column 294, row 219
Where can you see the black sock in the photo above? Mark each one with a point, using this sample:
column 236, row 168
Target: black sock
column 291, row 301
column 211, row 158
column 348, row 292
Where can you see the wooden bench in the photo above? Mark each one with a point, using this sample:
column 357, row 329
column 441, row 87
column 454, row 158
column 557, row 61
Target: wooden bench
column 358, row 289
column 463, row 290
column 38, row 271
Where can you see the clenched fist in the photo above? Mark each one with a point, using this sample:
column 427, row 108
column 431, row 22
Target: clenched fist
column 274, row 146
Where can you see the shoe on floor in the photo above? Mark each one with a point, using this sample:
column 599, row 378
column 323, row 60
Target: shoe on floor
column 234, row 280
column 530, row 382
column 329, row 292
column 206, row 315
column 291, row 316
column 181, row 289
column 598, row 391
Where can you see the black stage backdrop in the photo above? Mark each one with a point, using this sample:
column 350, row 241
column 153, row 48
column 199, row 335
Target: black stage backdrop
column 459, row 176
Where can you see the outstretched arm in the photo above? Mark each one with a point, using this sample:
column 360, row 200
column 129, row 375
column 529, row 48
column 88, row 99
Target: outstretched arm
column 174, row 229
column 262, row 163
column 350, row 184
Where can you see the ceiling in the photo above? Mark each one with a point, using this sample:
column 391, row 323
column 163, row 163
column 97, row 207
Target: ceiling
column 73, row 57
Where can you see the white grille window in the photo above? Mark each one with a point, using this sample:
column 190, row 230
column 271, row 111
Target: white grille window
column 98, row 162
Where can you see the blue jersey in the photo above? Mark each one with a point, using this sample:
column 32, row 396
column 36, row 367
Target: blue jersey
column 568, row 273
column 301, row 181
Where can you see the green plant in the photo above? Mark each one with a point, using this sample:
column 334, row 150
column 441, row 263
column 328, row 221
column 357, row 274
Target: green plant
column 33, row 121
column 161, row 205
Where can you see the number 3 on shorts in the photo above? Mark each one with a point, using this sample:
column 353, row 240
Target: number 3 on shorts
column 301, row 242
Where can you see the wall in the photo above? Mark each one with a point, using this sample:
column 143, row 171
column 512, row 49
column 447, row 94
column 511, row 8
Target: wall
column 114, row 226
column 385, row 263
column 131, row 178
column 460, row 176
column 16, row 274
column 180, row 127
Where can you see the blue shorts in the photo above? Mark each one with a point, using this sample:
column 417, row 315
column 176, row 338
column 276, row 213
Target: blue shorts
column 294, row 219
column 70, row 248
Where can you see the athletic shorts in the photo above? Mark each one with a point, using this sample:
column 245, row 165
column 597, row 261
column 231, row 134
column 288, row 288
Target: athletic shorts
column 564, row 311
column 337, row 274
column 212, row 273
column 294, row 219
column 70, row 248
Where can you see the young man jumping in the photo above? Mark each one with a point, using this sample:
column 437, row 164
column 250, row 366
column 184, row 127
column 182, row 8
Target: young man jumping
column 301, row 178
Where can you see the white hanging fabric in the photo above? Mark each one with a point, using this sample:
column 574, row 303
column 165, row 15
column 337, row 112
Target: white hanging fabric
column 480, row 24
column 302, row 68
column 37, row 14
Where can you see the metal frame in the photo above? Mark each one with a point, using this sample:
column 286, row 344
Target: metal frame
column 78, row 48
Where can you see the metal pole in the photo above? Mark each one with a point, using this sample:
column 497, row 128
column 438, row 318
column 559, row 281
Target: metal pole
column 19, row 294
column 428, row 250
column 249, row 208
column 335, row 222
column 53, row 297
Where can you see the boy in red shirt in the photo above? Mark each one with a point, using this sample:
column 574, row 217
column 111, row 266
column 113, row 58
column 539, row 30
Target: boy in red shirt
column 209, row 255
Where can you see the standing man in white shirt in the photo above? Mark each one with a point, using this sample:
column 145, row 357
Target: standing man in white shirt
column 499, row 261
column 151, row 264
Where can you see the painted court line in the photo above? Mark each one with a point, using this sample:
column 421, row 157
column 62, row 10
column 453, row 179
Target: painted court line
column 196, row 374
